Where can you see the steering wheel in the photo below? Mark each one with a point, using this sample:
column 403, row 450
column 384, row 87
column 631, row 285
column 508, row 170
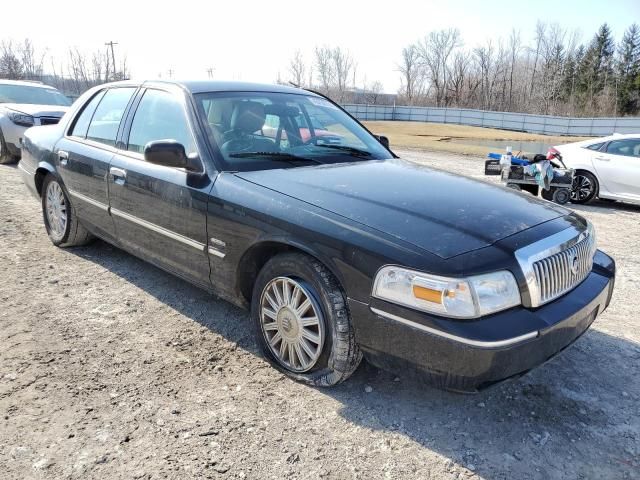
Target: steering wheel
column 237, row 145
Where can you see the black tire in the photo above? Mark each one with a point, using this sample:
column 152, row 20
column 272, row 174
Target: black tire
column 5, row 155
column 73, row 234
column 547, row 194
column 561, row 195
column 340, row 354
column 584, row 187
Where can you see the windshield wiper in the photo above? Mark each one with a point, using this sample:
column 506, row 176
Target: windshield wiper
column 357, row 152
column 279, row 156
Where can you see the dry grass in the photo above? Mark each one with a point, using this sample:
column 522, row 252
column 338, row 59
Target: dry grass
column 436, row 136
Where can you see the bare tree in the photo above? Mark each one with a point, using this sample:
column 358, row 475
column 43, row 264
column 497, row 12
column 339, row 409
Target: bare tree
column 10, row 65
column 412, row 73
column 372, row 92
column 32, row 62
column 514, row 52
column 343, row 66
column 435, row 51
column 297, row 69
column 324, row 67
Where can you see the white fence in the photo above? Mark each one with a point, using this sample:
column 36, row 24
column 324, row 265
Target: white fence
column 521, row 122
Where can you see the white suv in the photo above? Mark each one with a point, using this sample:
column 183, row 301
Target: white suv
column 24, row 105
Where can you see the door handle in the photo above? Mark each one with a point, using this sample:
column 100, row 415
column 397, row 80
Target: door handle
column 119, row 175
column 603, row 159
column 63, row 157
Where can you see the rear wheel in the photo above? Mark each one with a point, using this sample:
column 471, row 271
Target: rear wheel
column 303, row 322
column 60, row 218
column 584, row 187
column 5, row 155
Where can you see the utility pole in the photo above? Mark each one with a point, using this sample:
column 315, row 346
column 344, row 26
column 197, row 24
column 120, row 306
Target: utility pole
column 111, row 44
column 170, row 71
column 210, row 71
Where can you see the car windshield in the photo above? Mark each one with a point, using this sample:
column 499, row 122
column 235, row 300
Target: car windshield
column 32, row 94
column 262, row 130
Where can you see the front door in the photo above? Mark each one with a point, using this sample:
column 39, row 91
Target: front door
column 160, row 212
column 618, row 167
column 84, row 157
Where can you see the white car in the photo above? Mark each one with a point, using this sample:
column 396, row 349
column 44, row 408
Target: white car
column 607, row 167
column 24, row 105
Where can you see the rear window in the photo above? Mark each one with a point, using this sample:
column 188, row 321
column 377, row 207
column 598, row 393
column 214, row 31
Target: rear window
column 106, row 119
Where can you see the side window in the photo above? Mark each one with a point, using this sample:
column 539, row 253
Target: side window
column 159, row 116
column 106, row 119
column 595, row 146
column 82, row 121
column 627, row 147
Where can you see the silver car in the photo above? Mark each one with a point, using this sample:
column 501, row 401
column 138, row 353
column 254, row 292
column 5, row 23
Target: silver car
column 24, row 105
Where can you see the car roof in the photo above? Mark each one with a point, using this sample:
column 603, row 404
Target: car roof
column 205, row 86
column 26, row 83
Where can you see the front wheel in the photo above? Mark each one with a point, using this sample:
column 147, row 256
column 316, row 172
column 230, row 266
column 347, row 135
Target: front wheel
column 302, row 320
column 584, row 187
column 59, row 216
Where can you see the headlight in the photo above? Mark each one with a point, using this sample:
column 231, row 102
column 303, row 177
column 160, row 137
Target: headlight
column 468, row 297
column 21, row 119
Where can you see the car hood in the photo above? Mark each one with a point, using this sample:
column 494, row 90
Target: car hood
column 443, row 213
column 37, row 110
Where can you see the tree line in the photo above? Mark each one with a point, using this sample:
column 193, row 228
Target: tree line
column 555, row 75
column 73, row 75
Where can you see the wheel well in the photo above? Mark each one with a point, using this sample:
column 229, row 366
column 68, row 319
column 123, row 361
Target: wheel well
column 41, row 173
column 584, row 170
column 255, row 258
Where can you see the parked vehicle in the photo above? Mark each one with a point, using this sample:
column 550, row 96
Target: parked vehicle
column 607, row 168
column 338, row 249
column 23, row 105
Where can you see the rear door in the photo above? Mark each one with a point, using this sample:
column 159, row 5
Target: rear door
column 85, row 153
column 160, row 212
column 618, row 167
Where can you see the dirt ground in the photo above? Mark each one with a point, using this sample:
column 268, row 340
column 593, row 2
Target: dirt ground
column 441, row 136
column 111, row 368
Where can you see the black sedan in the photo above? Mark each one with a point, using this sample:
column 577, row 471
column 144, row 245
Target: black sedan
column 277, row 200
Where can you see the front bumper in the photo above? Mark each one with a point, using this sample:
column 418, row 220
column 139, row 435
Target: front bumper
column 468, row 356
column 12, row 135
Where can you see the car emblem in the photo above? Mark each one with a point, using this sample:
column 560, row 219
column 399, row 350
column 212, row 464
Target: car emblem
column 574, row 265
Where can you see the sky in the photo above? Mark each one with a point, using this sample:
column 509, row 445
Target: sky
column 255, row 40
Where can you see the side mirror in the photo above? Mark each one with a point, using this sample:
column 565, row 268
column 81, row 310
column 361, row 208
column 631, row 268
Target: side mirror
column 168, row 153
column 384, row 141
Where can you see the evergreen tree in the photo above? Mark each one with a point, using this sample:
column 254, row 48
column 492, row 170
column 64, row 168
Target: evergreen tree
column 628, row 71
column 596, row 68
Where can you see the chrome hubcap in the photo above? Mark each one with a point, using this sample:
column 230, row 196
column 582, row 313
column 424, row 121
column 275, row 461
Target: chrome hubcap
column 291, row 323
column 56, row 210
column 581, row 188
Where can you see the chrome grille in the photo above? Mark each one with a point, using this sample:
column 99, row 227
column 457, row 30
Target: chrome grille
column 559, row 273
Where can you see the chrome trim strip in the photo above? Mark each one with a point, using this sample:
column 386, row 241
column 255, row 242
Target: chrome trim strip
column 24, row 169
column 455, row 338
column 217, row 253
column 158, row 229
column 90, row 201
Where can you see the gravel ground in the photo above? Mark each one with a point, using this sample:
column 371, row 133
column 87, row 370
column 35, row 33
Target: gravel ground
column 111, row 368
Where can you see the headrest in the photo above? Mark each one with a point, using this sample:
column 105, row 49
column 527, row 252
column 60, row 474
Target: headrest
column 248, row 117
